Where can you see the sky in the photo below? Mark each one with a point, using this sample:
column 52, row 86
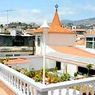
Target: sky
column 39, row 10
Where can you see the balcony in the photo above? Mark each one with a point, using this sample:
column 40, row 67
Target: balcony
column 22, row 85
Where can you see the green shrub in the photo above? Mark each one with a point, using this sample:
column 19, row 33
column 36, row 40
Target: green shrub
column 65, row 77
column 17, row 69
column 53, row 78
column 38, row 78
column 32, row 72
column 89, row 67
column 75, row 74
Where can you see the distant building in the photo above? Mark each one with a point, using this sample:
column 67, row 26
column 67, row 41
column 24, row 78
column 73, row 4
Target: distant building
column 17, row 42
column 90, row 40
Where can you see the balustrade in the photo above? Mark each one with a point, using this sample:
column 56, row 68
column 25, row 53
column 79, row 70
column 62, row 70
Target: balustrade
column 22, row 85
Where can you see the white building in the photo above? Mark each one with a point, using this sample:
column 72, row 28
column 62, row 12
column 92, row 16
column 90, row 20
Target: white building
column 61, row 50
column 60, row 47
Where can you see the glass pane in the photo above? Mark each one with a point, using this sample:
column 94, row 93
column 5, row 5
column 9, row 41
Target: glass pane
column 94, row 45
column 89, row 44
column 89, row 39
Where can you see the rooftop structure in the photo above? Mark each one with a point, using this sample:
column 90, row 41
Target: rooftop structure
column 55, row 26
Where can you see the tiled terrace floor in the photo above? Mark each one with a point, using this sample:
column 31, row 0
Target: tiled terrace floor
column 4, row 90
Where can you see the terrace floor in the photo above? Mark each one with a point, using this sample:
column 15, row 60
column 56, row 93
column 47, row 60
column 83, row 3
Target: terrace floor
column 4, row 90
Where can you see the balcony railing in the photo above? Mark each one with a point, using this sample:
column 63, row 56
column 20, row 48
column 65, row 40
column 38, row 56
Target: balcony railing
column 22, row 85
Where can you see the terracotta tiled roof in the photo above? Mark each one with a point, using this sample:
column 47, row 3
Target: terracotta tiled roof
column 16, row 61
column 81, row 42
column 90, row 33
column 55, row 26
column 30, row 31
column 39, row 30
column 73, row 51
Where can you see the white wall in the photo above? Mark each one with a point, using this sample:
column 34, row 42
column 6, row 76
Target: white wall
column 71, row 69
column 63, row 67
column 55, row 39
column 33, row 62
column 61, row 39
column 50, row 63
column 36, row 63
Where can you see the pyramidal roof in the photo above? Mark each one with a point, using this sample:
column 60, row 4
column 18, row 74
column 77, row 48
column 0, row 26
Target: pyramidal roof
column 56, row 20
column 55, row 26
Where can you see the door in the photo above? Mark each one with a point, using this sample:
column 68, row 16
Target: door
column 58, row 65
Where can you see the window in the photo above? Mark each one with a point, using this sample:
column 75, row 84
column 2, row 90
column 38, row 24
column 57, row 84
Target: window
column 89, row 44
column 38, row 40
column 89, row 39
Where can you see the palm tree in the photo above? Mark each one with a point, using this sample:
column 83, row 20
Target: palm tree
column 1, row 26
column 89, row 67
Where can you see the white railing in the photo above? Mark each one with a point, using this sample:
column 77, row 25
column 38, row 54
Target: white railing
column 19, row 83
column 22, row 85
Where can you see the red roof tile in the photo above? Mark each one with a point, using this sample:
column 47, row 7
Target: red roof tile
column 73, row 51
column 55, row 27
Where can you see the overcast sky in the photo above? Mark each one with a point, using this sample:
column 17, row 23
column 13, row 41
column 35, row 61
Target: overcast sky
column 40, row 10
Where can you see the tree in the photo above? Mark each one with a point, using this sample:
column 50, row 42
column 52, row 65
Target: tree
column 70, row 24
column 1, row 26
column 89, row 67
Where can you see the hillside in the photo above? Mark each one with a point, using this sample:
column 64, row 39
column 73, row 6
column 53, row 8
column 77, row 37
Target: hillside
column 84, row 22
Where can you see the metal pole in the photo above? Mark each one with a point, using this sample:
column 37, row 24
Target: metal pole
column 7, row 17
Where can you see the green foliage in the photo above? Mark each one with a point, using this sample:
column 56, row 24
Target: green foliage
column 17, row 69
column 89, row 67
column 28, row 73
column 23, row 71
column 1, row 26
column 22, row 25
column 53, row 78
column 65, row 77
column 7, row 59
column 38, row 78
column 75, row 74
column 53, row 69
column 32, row 72
column 2, row 61
column 50, row 76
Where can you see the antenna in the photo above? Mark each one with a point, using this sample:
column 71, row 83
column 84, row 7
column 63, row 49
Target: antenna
column 7, row 11
column 7, row 15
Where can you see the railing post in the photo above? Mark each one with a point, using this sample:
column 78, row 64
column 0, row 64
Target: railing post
column 42, row 93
